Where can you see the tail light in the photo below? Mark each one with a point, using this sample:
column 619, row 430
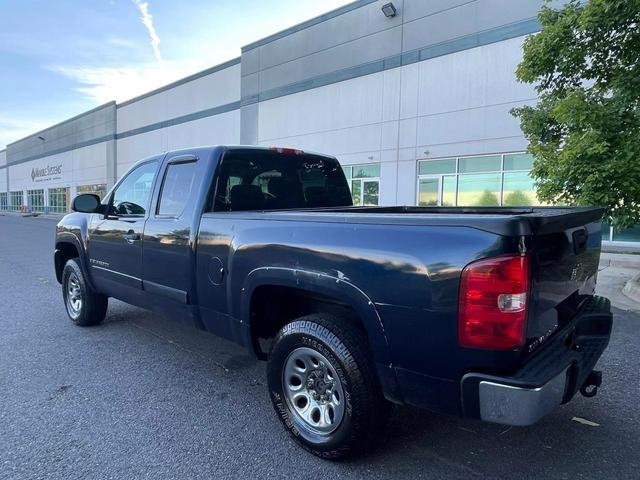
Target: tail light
column 287, row 151
column 492, row 306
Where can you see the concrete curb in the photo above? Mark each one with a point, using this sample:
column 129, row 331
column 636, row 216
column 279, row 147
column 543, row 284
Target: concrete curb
column 632, row 289
column 49, row 216
column 614, row 273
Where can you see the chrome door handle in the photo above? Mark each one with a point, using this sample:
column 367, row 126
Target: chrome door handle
column 131, row 237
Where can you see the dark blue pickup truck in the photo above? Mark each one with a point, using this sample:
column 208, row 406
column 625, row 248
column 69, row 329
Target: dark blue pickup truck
column 485, row 313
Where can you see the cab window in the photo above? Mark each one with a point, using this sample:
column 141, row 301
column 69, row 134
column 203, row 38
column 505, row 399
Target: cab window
column 131, row 197
column 176, row 188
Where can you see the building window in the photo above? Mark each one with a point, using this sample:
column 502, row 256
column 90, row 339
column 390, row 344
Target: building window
column 16, row 201
column 485, row 180
column 58, row 200
column 364, row 181
column 631, row 234
column 35, row 201
column 98, row 189
column 4, row 202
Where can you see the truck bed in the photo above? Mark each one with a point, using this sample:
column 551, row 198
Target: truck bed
column 499, row 220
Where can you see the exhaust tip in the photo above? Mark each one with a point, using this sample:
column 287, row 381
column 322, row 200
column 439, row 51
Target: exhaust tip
column 590, row 387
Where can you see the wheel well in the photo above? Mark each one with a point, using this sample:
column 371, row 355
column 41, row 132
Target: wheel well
column 64, row 251
column 272, row 307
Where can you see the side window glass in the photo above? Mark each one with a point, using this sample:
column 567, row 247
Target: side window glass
column 176, row 188
column 132, row 195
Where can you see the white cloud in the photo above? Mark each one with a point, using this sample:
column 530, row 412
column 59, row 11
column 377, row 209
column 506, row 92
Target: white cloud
column 103, row 84
column 121, row 42
column 13, row 128
column 147, row 20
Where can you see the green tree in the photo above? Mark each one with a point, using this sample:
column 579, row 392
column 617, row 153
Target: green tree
column 487, row 199
column 584, row 131
column 517, row 198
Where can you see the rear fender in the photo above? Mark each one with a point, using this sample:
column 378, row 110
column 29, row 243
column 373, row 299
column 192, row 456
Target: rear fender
column 340, row 289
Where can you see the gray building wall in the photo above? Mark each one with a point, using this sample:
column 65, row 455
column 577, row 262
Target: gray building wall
column 4, row 171
column 77, row 152
column 357, row 40
column 89, row 128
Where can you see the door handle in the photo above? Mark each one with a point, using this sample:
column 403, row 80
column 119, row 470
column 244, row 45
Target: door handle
column 131, row 237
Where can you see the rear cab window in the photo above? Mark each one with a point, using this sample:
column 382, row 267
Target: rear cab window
column 255, row 179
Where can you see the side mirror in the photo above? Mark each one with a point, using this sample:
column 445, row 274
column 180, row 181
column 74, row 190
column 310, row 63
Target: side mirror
column 87, row 203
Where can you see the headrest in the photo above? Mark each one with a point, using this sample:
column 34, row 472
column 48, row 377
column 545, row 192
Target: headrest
column 278, row 186
column 316, row 196
column 246, row 197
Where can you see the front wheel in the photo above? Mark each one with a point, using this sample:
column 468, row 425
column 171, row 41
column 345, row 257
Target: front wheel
column 324, row 388
column 84, row 306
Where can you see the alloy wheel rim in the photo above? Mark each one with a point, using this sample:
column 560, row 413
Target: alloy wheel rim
column 74, row 295
column 313, row 391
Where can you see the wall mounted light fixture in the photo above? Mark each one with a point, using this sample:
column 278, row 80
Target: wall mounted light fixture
column 389, row 10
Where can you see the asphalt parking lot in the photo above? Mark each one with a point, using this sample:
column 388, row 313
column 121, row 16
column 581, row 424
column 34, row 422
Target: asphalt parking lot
column 142, row 397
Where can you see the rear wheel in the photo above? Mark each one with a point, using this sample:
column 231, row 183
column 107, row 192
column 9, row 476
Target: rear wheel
column 84, row 306
column 323, row 386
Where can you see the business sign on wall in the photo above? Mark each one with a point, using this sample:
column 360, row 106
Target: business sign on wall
column 45, row 174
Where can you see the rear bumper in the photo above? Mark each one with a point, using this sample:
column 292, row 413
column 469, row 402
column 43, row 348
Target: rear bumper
column 548, row 379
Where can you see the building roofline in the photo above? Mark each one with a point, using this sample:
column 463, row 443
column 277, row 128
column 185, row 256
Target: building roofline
column 190, row 78
column 80, row 115
column 308, row 23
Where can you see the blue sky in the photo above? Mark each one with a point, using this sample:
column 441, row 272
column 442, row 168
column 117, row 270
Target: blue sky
column 59, row 58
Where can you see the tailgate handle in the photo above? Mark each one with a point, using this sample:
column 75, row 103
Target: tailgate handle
column 580, row 241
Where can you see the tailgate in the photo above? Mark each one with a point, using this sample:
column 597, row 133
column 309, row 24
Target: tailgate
column 566, row 253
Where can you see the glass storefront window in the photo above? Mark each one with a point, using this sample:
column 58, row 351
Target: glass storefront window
column 99, row 189
column 631, row 234
column 365, row 171
column 518, row 161
column 480, row 180
column 58, row 200
column 356, row 192
column 35, row 201
column 428, row 189
column 480, row 190
column 606, row 232
column 365, row 183
column 370, row 193
column 479, row 164
column 16, row 201
column 449, row 186
column 518, row 190
column 434, row 167
column 4, row 202
column 490, row 180
column 437, row 190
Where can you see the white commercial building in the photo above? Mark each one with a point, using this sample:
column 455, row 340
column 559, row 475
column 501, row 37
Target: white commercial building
column 415, row 106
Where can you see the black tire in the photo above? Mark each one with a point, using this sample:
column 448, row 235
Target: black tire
column 92, row 306
column 364, row 412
